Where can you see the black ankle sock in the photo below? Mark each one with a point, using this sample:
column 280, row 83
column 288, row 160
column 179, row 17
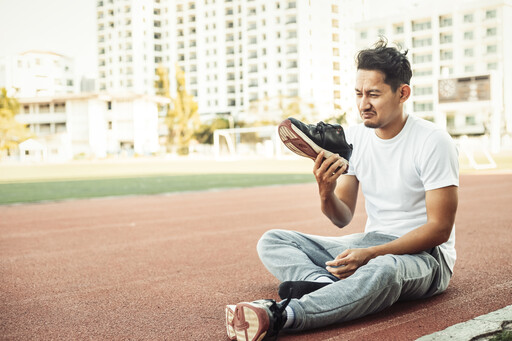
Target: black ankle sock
column 298, row 288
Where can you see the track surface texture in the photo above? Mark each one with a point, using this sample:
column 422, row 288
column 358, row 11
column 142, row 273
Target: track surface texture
column 163, row 267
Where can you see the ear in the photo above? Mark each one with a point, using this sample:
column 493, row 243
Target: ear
column 405, row 92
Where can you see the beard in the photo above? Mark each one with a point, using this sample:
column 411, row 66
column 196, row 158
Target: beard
column 369, row 124
column 373, row 125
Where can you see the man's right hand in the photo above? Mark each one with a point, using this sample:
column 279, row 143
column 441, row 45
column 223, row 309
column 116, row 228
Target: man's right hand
column 338, row 200
column 327, row 171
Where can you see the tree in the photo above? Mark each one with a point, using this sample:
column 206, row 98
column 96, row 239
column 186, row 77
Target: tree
column 182, row 118
column 12, row 132
column 272, row 110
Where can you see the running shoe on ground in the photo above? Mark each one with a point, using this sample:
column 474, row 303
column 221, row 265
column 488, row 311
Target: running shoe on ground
column 230, row 314
column 258, row 320
column 309, row 140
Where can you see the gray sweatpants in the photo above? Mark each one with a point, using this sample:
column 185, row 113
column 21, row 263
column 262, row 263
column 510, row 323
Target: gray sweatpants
column 294, row 256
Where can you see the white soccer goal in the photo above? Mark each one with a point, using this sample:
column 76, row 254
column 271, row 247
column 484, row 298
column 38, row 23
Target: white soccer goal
column 477, row 149
column 254, row 142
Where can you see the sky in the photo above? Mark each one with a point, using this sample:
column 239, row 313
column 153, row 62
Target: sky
column 63, row 26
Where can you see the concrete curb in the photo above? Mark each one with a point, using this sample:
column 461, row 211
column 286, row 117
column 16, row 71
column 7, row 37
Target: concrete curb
column 475, row 329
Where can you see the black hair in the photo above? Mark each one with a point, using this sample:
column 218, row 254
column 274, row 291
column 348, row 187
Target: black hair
column 389, row 60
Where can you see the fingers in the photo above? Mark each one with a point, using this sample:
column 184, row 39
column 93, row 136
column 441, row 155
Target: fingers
column 334, row 165
column 318, row 161
column 342, row 266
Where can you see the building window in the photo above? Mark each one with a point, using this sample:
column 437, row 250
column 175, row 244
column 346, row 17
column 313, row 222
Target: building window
column 428, row 106
column 492, row 48
column 421, row 25
column 468, row 18
column 363, row 34
column 492, row 66
column 423, row 90
column 422, row 58
column 469, row 52
column 399, row 29
column 44, row 108
column 60, row 127
column 424, row 72
column 421, row 42
column 446, row 38
column 445, row 21
column 490, row 32
column 468, row 35
column 469, row 68
column 59, row 107
column 446, row 54
column 490, row 14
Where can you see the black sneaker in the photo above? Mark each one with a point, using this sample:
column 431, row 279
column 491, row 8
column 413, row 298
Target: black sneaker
column 258, row 320
column 309, row 139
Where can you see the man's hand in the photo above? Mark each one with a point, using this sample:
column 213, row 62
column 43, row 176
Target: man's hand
column 327, row 172
column 348, row 262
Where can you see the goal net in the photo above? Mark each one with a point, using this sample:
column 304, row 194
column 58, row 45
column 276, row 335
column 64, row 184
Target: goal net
column 253, row 142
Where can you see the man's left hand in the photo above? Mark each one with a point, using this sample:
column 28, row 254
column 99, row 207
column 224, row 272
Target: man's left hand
column 348, row 262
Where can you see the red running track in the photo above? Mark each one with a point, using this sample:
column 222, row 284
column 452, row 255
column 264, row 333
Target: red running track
column 163, row 267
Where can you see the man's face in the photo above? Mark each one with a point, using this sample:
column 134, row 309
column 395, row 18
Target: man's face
column 378, row 105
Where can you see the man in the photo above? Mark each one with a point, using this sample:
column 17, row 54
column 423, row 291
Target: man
column 408, row 172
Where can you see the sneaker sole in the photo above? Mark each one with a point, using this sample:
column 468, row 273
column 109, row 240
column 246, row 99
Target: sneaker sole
column 230, row 315
column 298, row 142
column 250, row 323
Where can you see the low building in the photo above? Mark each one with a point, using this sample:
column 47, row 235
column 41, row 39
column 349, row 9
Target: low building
column 93, row 125
column 38, row 73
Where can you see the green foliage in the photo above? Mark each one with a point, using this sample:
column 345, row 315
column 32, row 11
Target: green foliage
column 273, row 110
column 182, row 118
column 339, row 119
column 12, row 132
column 204, row 134
column 502, row 336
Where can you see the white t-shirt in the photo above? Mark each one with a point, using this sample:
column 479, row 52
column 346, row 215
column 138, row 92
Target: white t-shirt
column 395, row 174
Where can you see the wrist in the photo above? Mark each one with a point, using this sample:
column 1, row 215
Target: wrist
column 374, row 251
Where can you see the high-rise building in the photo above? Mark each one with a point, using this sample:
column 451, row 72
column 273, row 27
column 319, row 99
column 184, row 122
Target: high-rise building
column 461, row 56
column 130, row 44
column 239, row 57
column 235, row 53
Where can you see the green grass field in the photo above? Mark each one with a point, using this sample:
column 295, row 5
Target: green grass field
column 21, row 183
column 75, row 189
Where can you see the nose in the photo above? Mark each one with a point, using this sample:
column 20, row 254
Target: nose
column 364, row 103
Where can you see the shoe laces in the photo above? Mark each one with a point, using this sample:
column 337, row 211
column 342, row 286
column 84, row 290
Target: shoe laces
column 278, row 310
column 321, row 127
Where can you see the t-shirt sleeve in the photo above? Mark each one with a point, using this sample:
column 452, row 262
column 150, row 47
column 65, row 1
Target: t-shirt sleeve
column 438, row 161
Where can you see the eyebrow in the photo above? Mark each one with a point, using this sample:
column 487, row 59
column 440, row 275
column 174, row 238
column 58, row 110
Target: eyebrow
column 370, row 91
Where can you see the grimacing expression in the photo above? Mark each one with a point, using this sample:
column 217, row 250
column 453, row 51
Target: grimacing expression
column 377, row 103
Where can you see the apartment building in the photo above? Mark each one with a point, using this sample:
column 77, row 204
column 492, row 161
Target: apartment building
column 130, row 44
column 461, row 54
column 235, row 54
column 92, row 124
column 238, row 53
column 37, row 73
